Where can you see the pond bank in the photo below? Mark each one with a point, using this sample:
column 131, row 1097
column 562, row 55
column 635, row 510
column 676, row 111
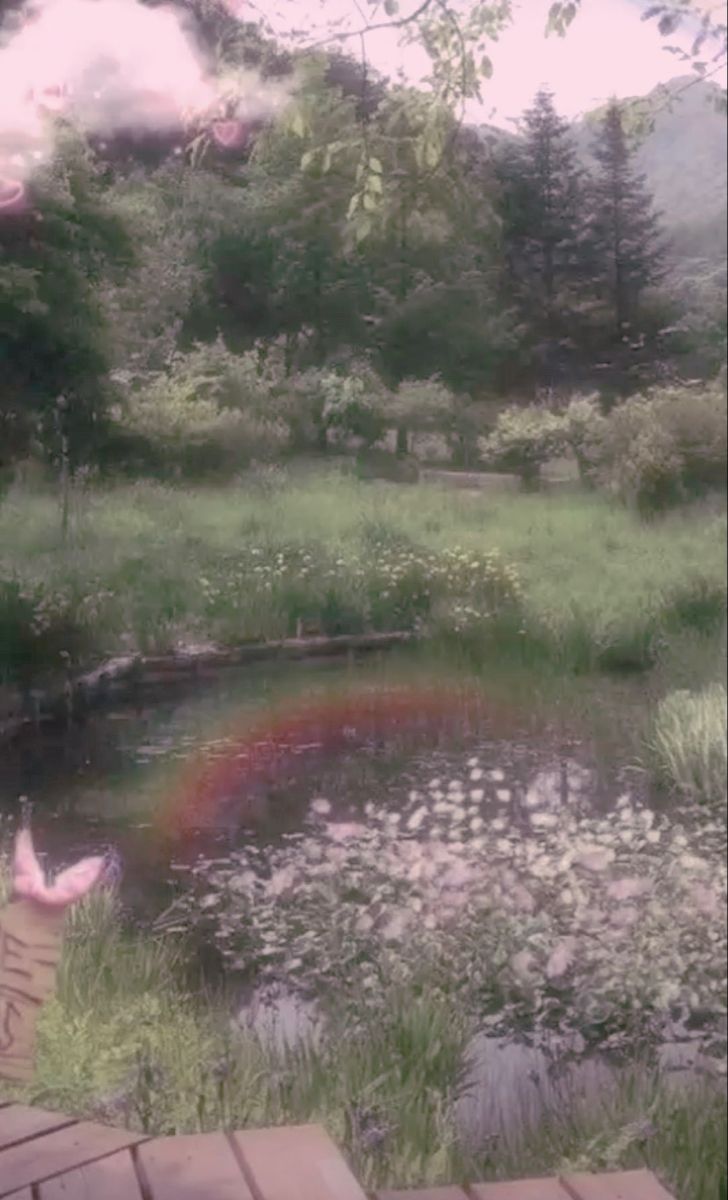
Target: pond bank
column 126, row 677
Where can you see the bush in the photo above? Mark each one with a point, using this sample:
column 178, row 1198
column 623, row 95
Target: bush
column 665, row 447
column 524, row 439
column 689, row 743
column 584, row 432
column 177, row 433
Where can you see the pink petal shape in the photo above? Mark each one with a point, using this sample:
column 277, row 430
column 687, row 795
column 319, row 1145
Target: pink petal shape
column 29, row 881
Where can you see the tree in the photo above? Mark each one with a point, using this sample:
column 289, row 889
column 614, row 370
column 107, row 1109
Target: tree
column 53, row 337
column 542, row 204
column 624, row 229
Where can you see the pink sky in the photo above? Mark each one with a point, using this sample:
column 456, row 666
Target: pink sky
column 608, row 50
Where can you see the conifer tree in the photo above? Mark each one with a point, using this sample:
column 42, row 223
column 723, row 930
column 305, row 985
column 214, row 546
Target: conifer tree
column 624, row 229
column 544, row 192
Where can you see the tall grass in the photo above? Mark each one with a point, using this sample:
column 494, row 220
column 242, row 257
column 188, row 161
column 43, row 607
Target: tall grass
column 146, row 565
column 125, row 1040
column 688, row 743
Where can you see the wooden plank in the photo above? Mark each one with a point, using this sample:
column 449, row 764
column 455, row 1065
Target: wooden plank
column 299, row 1162
column 19, row 1122
column 520, row 1189
column 113, row 1178
column 59, row 1151
column 195, row 1166
column 433, row 1193
column 617, row 1185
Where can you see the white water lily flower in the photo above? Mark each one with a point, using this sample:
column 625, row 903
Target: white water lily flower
column 522, row 898
column 321, row 806
column 413, row 796
column 476, row 774
column 503, row 846
column 595, row 858
column 473, row 762
column 690, row 862
column 477, row 824
column 503, row 794
column 434, row 783
column 523, row 964
column 628, row 889
column 498, row 825
column 416, row 818
column 560, row 959
column 477, row 794
column 624, row 917
column 544, row 820
column 653, row 836
column 497, row 775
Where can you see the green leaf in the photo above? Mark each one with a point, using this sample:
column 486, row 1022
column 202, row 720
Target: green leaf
column 363, row 229
column 368, row 202
column 374, row 185
column 353, row 205
column 307, row 159
column 298, row 125
column 375, row 165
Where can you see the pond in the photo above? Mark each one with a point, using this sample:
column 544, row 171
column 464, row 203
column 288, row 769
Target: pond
column 98, row 783
column 280, row 758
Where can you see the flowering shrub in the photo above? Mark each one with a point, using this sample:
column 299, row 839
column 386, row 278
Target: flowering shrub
column 584, row 429
column 658, row 449
column 386, row 587
column 543, row 918
column 524, row 439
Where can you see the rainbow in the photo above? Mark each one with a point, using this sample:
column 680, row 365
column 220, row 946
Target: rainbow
column 256, row 752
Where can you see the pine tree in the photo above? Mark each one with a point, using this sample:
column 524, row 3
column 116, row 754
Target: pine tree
column 544, row 192
column 624, row 227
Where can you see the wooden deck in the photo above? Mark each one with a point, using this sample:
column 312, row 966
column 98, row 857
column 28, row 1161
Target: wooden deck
column 48, row 1156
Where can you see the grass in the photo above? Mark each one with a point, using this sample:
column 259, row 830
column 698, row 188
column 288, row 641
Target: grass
column 689, row 743
column 147, row 565
column 109, row 1048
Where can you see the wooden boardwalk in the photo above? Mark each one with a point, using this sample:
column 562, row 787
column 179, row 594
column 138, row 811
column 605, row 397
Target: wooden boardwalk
column 48, row 1156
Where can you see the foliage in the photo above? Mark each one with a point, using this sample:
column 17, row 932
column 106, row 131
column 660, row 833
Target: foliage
column 658, row 448
column 584, row 432
column 147, row 566
column 689, row 743
column 535, row 926
column 54, row 339
column 524, row 439
column 623, row 228
column 209, row 412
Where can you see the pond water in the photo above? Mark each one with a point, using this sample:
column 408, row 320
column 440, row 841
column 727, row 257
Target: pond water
column 101, row 784
column 98, row 784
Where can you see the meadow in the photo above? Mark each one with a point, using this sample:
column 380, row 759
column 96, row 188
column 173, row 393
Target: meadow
column 571, row 580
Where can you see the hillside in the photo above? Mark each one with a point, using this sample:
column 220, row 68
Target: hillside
column 683, row 157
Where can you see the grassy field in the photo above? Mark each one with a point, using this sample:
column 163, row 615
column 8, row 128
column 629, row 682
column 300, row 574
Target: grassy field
column 146, row 566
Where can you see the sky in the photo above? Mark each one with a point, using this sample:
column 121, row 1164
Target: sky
column 106, row 62
column 607, row 51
